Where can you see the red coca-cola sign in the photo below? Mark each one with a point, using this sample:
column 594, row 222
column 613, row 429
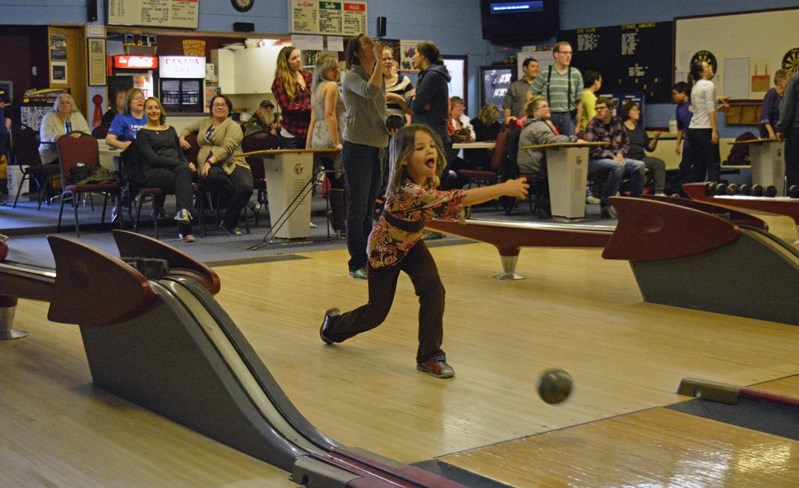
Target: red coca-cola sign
column 135, row 62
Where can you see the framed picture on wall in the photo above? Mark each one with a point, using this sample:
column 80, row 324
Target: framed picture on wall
column 95, row 49
column 58, row 73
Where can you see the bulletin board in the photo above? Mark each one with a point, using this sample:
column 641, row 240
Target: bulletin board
column 745, row 49
column 632, row 58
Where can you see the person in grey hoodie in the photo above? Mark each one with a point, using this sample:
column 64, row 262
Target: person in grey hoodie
column 365, row 138
column 538, row 129
column 788, row 129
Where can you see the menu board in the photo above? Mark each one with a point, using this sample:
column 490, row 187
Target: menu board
column 181, row 14
column 630, row 57
column 327, row 18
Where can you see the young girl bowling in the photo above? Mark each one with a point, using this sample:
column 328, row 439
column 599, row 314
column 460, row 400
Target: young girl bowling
column 395, row 244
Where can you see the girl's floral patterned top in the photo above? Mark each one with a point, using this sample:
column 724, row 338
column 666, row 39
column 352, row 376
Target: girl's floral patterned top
column 388, row 244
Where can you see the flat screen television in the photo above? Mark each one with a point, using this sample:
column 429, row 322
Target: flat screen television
column 494, row 84
column 519, row 20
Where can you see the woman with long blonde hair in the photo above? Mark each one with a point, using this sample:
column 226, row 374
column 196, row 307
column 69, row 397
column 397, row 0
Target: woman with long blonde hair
column 292, row 90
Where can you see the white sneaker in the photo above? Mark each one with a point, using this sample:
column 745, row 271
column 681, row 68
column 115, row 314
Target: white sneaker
column 592, row 200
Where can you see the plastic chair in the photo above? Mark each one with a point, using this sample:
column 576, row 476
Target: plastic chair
column 26, row 155
column 74, row 150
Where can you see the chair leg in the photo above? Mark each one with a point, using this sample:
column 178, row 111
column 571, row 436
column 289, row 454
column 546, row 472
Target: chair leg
column 60, row 214
column 19, row 189
column 155, row 219
column 137, row 201
column 75, row 199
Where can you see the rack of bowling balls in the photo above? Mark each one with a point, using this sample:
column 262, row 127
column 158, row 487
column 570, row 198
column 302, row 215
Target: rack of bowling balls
column 745, row 190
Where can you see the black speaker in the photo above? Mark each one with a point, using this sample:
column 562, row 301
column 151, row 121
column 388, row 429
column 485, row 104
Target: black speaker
column 91, row 10
column 381, row 27
column 243, row 26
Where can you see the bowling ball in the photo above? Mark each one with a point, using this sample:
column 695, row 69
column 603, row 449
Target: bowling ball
column 757, row 190
column 555, row 386
column 710, row 188
column 732, row 189
column 770, row 191
column 793, row 191
column 721, row 189
column 744, row 190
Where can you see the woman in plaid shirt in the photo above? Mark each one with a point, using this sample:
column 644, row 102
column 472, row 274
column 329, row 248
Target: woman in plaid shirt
column 292, row 90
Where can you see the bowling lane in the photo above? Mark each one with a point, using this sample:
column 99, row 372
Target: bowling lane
column 574, row 311
column 654, row 448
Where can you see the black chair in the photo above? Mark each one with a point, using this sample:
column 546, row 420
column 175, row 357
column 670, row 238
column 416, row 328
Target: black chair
column 133, row 192
column 72, row 151
column 259, row 141
column 26, row 155
column 481, row 177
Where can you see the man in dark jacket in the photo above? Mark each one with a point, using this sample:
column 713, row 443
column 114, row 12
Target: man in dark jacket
column 788, row 129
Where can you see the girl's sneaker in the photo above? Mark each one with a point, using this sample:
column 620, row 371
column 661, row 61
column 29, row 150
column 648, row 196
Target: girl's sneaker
column 437, row 366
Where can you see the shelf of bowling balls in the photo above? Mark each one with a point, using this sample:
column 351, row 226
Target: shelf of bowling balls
column 752, row 197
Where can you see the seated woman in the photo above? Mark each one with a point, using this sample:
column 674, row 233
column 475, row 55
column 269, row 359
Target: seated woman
column 123, row 128
column 640, row 142
column 462, row 130
column 486, row 128
column 164, row 165
column 64, row 119
column 538, row 129
column 114, row 109
column 220, row 161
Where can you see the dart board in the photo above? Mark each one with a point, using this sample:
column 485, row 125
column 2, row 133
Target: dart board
column 707, row 57
column 791, row 60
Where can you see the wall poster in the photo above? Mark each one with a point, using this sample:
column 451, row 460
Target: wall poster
column 96, row 61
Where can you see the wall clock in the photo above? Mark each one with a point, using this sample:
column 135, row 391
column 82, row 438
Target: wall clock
column 242, row 5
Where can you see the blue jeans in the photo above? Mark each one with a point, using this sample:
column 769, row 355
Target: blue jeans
column 634, row 170
column 564, row 122
column 291, row 142
column 363, row 168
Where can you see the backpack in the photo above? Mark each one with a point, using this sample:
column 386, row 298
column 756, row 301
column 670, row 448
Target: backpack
column 739, row 155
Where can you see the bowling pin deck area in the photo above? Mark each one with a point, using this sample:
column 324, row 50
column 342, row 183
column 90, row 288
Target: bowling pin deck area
column 575, row 311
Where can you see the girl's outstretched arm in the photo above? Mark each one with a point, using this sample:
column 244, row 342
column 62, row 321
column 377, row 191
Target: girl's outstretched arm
column 511, row 188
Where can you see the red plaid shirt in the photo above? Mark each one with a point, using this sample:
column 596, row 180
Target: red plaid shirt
column 296, row 113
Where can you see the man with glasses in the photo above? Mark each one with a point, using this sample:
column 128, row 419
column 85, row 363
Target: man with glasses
column 611, row 159
column 561, row 86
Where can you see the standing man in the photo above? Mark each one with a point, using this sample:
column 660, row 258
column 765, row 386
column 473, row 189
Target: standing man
column 788, row 129
column 516, row 97
column 592, row 82
column 561, row 85
column 611, row 159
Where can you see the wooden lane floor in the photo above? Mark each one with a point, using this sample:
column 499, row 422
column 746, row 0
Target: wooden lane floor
column 656, row 447
column 574, row 311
